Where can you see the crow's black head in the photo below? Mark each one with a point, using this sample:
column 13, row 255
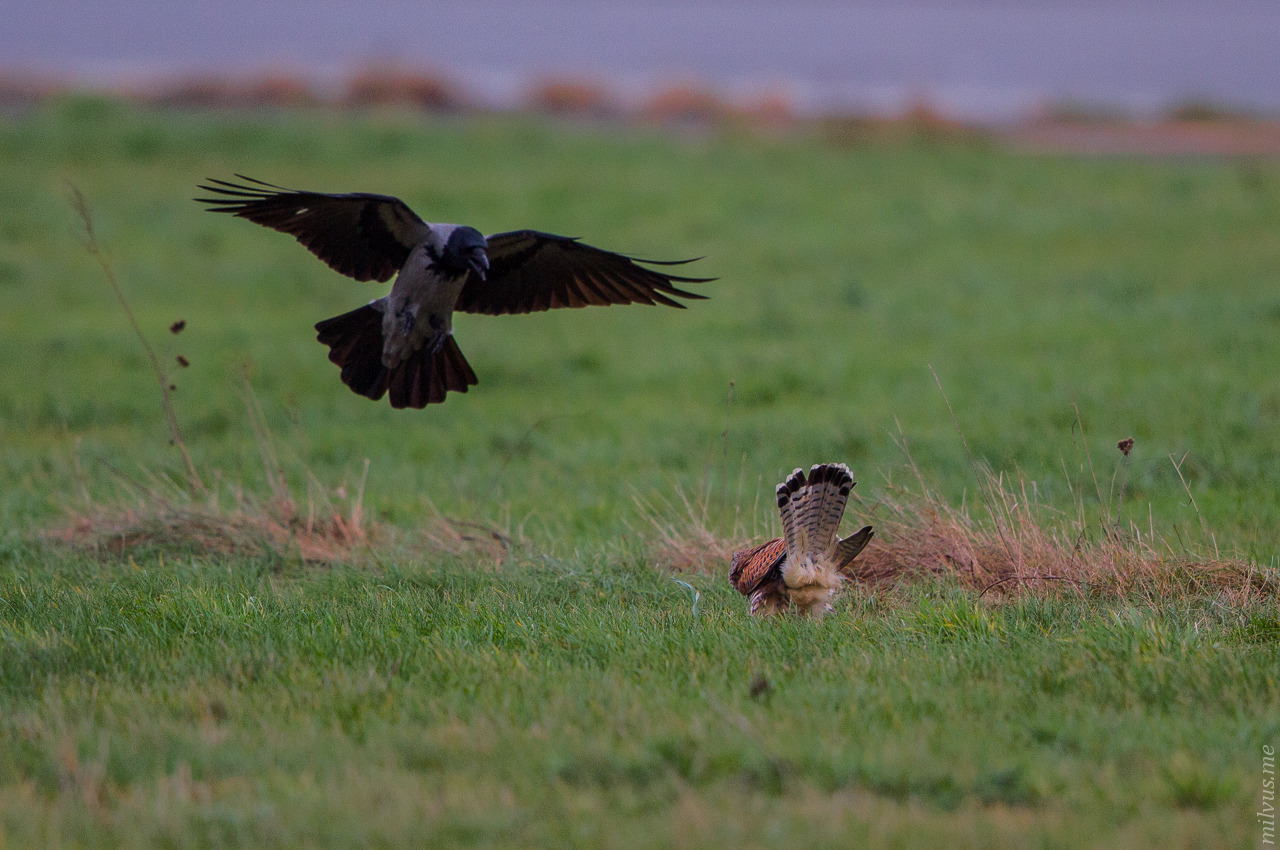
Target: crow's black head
column 465, row 249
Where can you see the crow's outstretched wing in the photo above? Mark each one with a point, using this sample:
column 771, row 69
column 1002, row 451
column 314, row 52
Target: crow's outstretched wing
column 531, row 271
column 361, row 235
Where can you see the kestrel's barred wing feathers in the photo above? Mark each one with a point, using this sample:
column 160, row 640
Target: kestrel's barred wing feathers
column 849, row 548
column 753, row 566
column 530, row 271
column 790, row 498
column 361, row 235
column 825, row 498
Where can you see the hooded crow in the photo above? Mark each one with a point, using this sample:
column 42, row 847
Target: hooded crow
column 402, row 344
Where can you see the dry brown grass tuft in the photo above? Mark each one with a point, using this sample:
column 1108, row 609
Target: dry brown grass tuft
column 444, row 535
column 1013, row 546
column 333, row 527
column 158, row 513
column 691, row 547
column 1006, row 546
column 246, row 533
column 1187, row 131
column 681, row 534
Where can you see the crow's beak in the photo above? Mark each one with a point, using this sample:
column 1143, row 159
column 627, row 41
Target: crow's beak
column 479, row 263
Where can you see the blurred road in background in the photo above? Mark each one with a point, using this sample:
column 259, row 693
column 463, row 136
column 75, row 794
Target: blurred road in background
column 978, row 60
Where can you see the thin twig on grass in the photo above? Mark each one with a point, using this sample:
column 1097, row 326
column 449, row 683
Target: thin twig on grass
column 448, row 534
column 1177, row 467
column 1008, row 579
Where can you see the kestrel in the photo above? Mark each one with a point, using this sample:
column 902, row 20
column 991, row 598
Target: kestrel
column 402, row 344
column 802, row 569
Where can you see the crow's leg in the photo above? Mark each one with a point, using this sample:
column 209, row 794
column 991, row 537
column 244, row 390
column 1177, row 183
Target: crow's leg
column 439, row 333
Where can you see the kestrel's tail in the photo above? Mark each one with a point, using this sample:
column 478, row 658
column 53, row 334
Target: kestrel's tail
column 811, row 510
column 355, row 344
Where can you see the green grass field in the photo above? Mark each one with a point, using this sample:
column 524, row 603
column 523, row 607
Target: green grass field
column 572, row 692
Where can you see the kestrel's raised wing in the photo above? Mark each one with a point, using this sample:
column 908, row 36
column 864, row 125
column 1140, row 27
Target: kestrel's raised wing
column 361, row 235
column 531, row 271
column 752, row 566
column 851, row 546
column 757, row 573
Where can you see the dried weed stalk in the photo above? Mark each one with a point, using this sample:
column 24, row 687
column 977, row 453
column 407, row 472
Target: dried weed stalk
column 95, row 249
column 159, row 512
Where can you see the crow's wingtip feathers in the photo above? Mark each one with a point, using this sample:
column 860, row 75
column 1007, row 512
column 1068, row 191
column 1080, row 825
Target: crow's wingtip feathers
column 263, row 183
column 672, row 277
column 240, row 192
column 663, row 262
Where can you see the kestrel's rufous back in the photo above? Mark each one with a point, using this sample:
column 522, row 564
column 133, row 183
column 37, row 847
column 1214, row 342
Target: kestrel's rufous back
column 803, row 567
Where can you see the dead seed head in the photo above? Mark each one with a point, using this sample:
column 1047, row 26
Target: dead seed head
column 178, row 326
column 183, row 362
column 1125, row 446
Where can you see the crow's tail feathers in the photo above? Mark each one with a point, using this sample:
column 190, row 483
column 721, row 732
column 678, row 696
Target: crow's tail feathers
column 355, row 344
column 424, row 378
